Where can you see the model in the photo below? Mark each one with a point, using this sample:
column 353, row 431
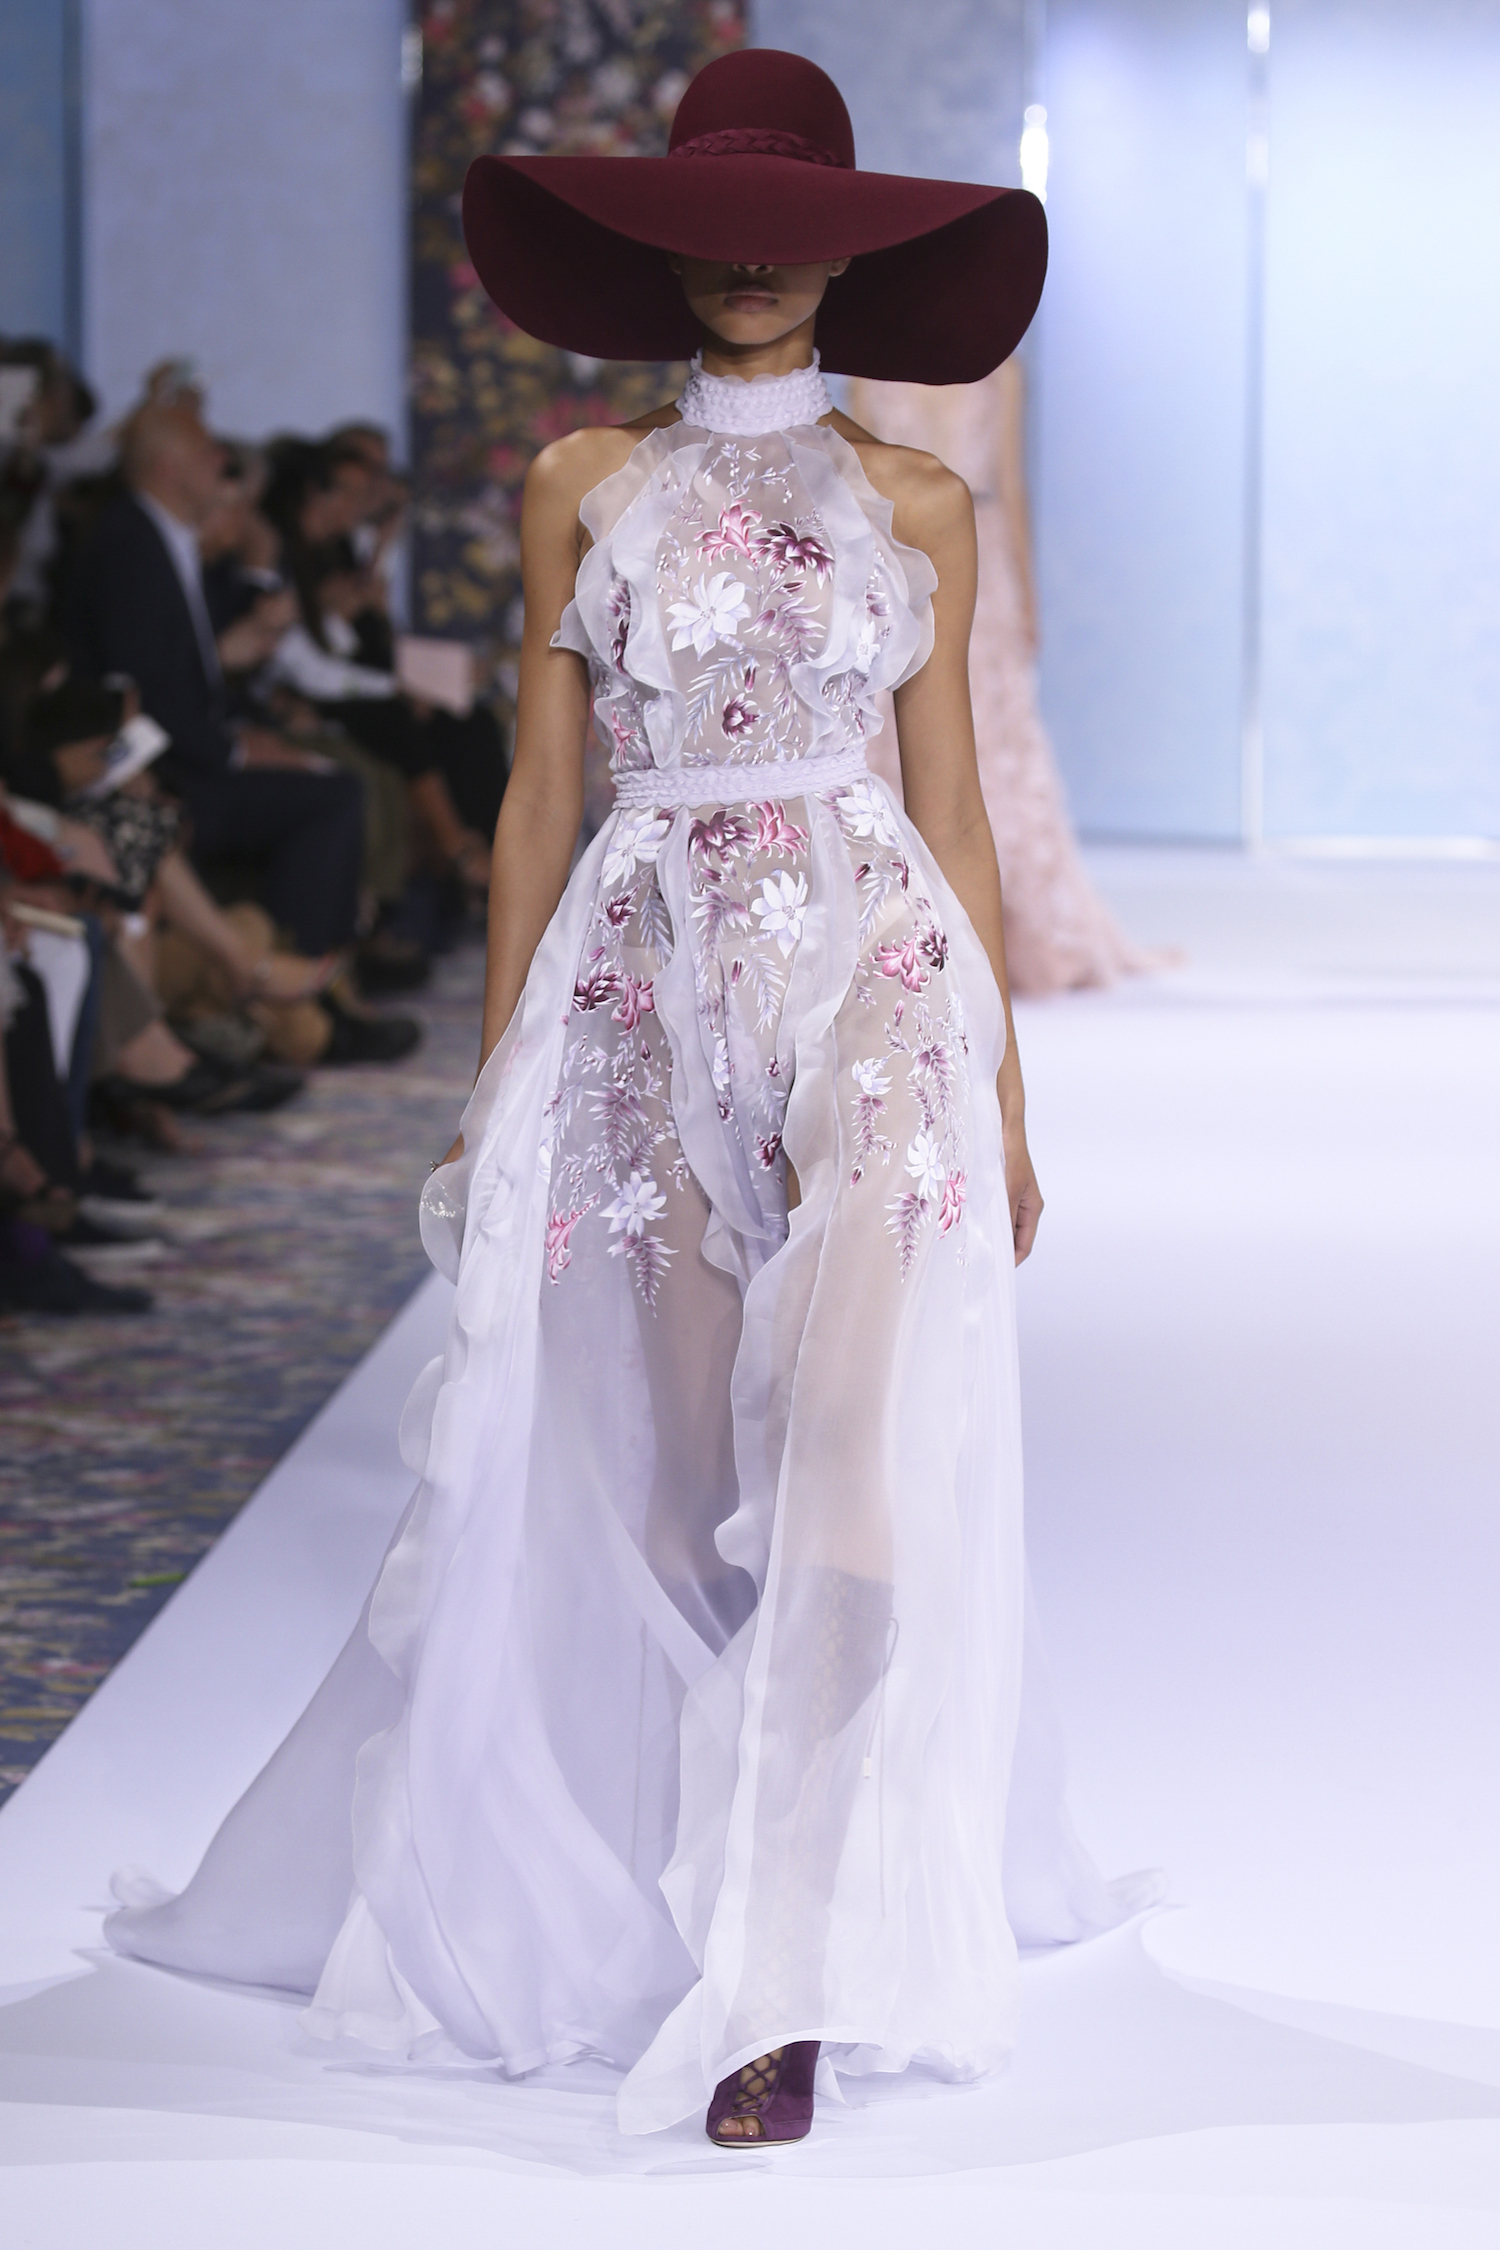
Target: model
column 679, row 1728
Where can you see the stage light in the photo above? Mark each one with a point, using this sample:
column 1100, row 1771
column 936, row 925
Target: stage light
column 1034, row 150
column 1258, row 31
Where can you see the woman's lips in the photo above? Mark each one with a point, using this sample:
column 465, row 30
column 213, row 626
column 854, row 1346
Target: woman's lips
column 749, row 300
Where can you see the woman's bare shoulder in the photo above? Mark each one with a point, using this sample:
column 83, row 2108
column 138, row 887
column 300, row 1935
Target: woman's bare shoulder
column 929, row 499
column 567, row 469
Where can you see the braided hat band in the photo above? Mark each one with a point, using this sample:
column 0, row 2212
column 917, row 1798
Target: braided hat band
column 758, row 140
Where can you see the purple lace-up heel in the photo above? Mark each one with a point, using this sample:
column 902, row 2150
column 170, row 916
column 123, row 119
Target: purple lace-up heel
column 771, row 2098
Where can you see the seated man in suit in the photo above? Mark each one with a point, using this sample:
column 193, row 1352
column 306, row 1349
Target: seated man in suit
column 137, row 606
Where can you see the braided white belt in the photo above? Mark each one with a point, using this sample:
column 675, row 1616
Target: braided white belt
column 671, row 786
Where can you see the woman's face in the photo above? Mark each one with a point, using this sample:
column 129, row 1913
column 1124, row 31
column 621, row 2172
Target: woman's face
column 749, row 305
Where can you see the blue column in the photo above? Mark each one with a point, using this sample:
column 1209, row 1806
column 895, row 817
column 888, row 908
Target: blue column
column 39, row 276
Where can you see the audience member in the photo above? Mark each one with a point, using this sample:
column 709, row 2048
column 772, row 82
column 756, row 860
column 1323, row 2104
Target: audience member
column 52, row 437
column 221, row 955
column 336, row 506
column 138, row 608
column 251, row 611
column 199, row 678
column 60, row 868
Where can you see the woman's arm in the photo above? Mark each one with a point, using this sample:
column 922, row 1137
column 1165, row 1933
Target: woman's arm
column 940, row 775
column 318, row 673
column 543, row 802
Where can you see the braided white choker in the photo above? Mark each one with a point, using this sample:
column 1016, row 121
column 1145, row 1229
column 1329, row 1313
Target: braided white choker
column 732, row 408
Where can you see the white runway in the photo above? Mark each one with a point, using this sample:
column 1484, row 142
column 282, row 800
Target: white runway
column 1262, row 1369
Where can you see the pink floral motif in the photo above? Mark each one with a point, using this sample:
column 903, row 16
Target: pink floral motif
column 631, row 750
column 749, row 584
column 636, row 1000
column 648, row 1258
column 794, row 550
column 594, row 987
column 906, row 1217
column 560, row 1236
column 720, row 837
column 901, row 961
column 774, row 832
column 731, row 536
column 619, row 608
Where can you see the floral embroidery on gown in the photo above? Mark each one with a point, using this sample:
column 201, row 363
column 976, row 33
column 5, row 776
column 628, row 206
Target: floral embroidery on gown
column 683, row 1717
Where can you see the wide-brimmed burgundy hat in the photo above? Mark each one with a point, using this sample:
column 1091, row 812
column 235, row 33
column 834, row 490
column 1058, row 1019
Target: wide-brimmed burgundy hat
column 760, row 167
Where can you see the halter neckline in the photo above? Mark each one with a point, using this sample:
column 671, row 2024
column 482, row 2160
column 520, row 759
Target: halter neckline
column 730, row 407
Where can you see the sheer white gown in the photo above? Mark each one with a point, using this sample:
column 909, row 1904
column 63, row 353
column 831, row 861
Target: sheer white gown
column 683, row 1717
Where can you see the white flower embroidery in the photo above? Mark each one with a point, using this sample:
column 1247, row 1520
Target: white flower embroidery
column 637, row 1204
column 924, row 1161
column 638, row 837
column 872, row 1077
column 782, row 905
column 864, row 812
column 866, row 643
column 711, row 615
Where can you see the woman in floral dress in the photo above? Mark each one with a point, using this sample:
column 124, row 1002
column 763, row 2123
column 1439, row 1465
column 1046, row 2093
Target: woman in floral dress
column 685, row 1724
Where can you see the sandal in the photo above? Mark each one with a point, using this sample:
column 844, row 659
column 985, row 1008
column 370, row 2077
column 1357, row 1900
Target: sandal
column 770, row 2099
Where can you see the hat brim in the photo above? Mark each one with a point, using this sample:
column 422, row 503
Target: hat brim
column 945, row 279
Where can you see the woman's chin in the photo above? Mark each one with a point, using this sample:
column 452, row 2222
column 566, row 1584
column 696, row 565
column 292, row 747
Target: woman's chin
column 746, row 335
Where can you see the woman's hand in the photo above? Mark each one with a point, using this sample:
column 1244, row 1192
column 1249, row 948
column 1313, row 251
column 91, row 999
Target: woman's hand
column 83, row 852
column 253, row 637
column 1021, row 1188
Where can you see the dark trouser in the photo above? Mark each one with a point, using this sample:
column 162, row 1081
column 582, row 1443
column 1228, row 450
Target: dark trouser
column 38, row 1103
column 471, row 752
column 468, row 752
column 309, row 827
column 81, row 1064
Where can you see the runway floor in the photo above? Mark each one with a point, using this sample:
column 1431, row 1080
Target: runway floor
column 1259, row 1350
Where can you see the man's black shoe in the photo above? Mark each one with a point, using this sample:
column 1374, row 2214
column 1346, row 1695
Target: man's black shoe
column 115, row 1184
column 266, row 1086
column 51, row 1283
column 386, row 963
column 366, row 1039
column 209, row 1089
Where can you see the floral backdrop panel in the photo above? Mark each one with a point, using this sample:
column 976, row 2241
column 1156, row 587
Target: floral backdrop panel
column 535, row 77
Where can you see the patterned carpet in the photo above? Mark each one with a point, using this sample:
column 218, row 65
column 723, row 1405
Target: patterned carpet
column 127, row 1446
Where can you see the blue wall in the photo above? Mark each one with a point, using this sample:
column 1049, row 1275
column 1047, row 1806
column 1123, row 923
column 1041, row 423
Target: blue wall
column 1382, row 495
column 933, row 86
column 245, row 168
column 37, row 277
column 1372, row 627
column 1139, row 424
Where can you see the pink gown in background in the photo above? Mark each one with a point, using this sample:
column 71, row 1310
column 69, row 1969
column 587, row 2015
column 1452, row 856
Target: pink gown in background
column 1058, row 931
